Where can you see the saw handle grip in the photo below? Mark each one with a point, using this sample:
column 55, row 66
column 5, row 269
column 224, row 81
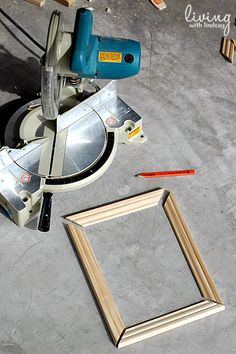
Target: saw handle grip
column 83, row 43
column 45, row 214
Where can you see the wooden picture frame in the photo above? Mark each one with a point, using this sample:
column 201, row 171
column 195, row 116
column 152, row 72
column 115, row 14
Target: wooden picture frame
column 122, row 335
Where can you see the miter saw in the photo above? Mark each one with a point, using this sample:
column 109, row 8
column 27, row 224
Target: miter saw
column 64, row 140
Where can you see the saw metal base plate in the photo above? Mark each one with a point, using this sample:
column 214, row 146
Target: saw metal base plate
column 64, row 154
column 77, row 139
column 53, row 154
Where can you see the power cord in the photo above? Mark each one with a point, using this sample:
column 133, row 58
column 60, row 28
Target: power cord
column 22, row 30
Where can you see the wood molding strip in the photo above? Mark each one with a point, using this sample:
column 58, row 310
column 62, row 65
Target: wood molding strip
column 228, row 48
column 36, row 2
column 190, row 250
column 168, row 322
column 165, row 319
column 97, row 282
column 67, row 3
column 117, row 209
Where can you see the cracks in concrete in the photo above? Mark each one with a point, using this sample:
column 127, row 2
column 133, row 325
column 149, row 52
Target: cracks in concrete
column 27, row 250
column 30, row 300
column 150, row 58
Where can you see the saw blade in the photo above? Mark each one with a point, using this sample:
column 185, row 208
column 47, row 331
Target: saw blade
column 51, row 82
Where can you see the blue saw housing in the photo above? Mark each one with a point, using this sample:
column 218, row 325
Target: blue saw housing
column 94, row 56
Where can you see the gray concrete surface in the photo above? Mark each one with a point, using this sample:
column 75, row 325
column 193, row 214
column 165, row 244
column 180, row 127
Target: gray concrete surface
column 186, row 95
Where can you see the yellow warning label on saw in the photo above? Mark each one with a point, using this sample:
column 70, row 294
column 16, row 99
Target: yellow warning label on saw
column 110, row 57
column 134, row 132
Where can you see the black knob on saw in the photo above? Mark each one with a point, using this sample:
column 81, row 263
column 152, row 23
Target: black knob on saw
column 45, row 215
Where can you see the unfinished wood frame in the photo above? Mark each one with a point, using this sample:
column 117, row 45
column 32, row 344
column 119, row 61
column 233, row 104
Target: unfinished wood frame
column 122, row 335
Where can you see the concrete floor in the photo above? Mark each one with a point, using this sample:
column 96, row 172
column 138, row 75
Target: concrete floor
column 186, row 96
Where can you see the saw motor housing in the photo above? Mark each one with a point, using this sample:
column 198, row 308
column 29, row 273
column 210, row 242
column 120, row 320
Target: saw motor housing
column 94, row 56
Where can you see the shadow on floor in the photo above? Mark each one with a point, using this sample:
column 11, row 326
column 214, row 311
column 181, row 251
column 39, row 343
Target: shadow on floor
column 18, row 76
